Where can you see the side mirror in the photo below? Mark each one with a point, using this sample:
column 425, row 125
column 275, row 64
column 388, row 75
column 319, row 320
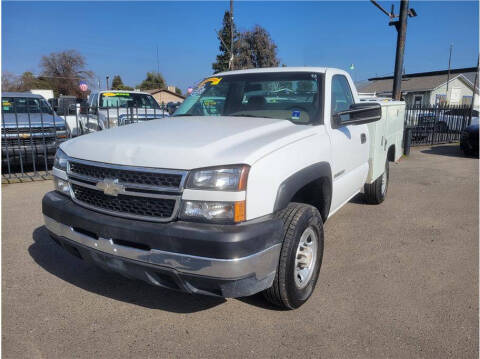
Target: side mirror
column 358, row 114
column 72, row 109
column 93, row 110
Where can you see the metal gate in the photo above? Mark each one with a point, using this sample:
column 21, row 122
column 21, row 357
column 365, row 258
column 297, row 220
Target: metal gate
column 431, row 125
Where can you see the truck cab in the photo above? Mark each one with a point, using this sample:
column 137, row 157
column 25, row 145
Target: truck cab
column 228, row 196
column 112, row 108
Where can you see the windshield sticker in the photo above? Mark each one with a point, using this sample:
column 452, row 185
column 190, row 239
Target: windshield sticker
column 295, row 115
column 115, row 94
column 6, row 105
column 209, row 102
column 212, row 80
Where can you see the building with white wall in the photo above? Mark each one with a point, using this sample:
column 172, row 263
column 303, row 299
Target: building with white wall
column 430, row 88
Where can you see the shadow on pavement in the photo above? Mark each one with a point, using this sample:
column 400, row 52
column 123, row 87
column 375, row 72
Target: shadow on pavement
column 65, row 266
column 446, row 150
column 359, row 199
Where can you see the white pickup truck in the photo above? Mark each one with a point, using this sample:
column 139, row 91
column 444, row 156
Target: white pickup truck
column 112, row 108
column 228, row 197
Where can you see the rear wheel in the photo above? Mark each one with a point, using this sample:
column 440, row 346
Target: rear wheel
column 376, row 192
column 300, row 257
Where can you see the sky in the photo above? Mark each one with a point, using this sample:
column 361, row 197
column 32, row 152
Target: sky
column 122, row 37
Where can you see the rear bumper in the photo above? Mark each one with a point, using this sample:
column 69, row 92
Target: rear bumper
column 227, row 261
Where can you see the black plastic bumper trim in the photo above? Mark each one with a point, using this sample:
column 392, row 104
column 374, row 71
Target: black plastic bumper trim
column 198, row 239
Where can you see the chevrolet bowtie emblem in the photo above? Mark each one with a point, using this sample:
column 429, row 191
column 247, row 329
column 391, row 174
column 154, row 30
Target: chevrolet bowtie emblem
column 110, row 186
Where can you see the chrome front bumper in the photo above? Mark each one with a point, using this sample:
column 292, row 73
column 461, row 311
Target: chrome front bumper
column 261, row 265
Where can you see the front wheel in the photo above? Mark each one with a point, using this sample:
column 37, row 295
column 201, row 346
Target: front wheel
column 376, row 192
column 300, row 257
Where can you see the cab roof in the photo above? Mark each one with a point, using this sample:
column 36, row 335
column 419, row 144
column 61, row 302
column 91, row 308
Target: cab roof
column 21, row 94
column 276, row 69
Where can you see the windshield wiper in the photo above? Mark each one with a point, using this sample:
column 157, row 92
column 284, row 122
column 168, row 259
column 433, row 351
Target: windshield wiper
column 249, row 116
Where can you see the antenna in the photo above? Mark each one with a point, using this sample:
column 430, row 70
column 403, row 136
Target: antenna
column 230, row 65
column 158, row 63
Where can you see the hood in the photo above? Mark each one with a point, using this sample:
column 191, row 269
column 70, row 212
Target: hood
column 187, row 142
column 35, row 120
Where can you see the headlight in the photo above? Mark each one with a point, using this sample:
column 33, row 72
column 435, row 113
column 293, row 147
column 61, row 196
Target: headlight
column 60, row 176
column 231, row 178
column 61, row 186
column 219, row 212
column 61, row 160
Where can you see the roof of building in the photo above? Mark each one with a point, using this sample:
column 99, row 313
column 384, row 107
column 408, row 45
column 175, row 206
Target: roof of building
column 154, row 91
column 418, row 82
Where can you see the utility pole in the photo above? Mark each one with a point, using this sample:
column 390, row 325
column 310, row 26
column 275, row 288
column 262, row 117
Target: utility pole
column 475, row 86
column 108, row 88
column 401, row 26
column 230, row 64
column 448, row 73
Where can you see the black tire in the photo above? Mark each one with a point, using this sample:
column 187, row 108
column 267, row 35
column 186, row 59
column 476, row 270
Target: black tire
column 373, row 191
column 284, row 292
column 467, row 151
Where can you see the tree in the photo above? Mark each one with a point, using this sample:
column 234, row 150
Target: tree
column 255, row 48
column 224, row 36
column 64, row 70
column 178, row 91
column 25, row 82
column 10, row 82
column 154, row 80
column 117, row 84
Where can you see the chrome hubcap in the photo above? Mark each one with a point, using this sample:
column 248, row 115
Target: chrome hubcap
column 305, row 258
column 384, row 181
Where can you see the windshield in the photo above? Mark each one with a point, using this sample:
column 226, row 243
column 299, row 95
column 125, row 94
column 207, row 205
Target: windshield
column 127, row 99
column 25, row 105
column 281, row 95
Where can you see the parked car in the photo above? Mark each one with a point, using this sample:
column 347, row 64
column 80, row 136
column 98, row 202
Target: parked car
column 107, row 109
column 229, row 204
column 469, row 140
column 30, row 128
column 172, row 107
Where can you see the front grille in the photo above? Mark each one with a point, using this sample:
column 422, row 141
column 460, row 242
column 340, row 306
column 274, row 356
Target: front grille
column 161, row 208
column 15, row 141
column 168, row 180
column 20, row 129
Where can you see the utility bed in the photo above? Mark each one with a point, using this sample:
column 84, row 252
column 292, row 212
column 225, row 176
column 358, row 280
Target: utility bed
column 383, row 133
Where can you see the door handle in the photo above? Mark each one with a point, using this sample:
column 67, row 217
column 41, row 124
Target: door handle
column 363, row 138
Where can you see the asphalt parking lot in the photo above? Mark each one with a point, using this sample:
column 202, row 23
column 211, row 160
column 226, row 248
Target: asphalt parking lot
column 399, row 280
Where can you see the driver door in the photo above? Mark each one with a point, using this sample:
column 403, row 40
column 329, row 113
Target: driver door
column 350, row 146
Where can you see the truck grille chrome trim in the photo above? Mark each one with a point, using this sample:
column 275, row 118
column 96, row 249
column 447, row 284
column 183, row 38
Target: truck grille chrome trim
column 126, row 195
column 165, row 180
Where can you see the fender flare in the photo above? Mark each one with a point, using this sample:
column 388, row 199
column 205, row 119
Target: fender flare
column 296, row 181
